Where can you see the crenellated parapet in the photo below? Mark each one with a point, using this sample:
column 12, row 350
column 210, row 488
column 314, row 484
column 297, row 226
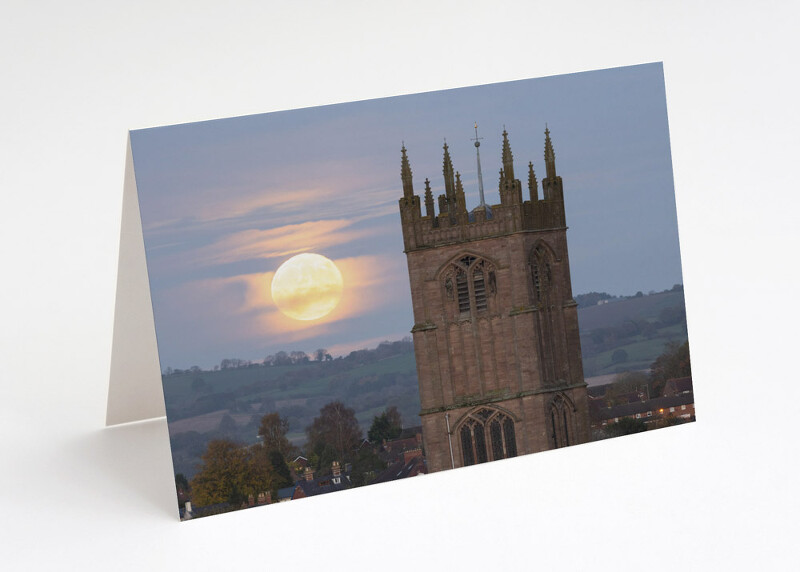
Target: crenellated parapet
column 454, row 223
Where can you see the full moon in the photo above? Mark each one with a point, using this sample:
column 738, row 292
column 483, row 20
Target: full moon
column 307, row 287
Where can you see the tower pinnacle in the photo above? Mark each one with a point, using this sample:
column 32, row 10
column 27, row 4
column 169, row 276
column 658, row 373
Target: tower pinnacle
column 405, row 174
column 447, row 170
column 533, row 186
column 429, row 200
column 508, row 158
column 549, row 154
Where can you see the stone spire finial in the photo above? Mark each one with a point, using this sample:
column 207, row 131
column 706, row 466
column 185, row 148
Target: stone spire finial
column 429, row 200
column 508, row 158
column 447, row 170
column 533, row 185
column 461, row 198
column 549, row 154
column 405, row 174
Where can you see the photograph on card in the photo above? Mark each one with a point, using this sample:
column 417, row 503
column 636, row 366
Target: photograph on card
column 357, row 293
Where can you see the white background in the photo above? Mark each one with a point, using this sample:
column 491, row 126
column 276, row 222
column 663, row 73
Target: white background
column 75, row 76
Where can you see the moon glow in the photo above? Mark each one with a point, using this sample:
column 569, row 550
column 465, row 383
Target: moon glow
column 307, row 287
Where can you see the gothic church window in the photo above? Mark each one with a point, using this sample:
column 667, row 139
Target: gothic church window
column 541, row 273
column 462, row 287
column 487, row 435
column 560, row 425
column 470, row 275
column 480, row 290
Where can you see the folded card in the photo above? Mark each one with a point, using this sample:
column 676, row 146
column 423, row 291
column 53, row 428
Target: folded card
column 357, row 293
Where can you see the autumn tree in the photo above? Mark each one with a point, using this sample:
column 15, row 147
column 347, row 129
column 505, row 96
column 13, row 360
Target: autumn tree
column 230, row 473
column 387, row 425
column 335, row 429
column 273, row 430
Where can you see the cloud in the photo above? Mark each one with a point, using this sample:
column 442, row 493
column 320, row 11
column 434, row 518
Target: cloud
column 286, row 240
column 217, row 204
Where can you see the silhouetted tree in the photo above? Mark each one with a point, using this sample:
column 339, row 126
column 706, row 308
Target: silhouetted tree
column 388, row 425
column 273, row 430
column 674, row 362
column 625, row 426
column 337, row 428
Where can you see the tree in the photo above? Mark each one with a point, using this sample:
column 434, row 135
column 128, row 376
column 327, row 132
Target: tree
column 282, row 473
column 181, row 482
column 273, row 430
column 625, row 426
column 619, row 356
column 298, row 356
column 337, row 428
column 230, row 473
column 365, row 467
column 624, row 384
column 674, row 362
column 320, row 354
column 387, row 425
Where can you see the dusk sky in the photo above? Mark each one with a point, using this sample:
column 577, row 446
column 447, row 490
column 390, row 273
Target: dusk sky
column 224, row 203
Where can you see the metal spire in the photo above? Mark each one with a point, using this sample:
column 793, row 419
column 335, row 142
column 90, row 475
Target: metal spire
column 480, row 176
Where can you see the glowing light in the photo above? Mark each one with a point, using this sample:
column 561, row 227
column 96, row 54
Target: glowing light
column 307, row 287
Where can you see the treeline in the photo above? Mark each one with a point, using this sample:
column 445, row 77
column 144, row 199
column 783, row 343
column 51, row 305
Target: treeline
column 297, row 357
column 592, row 298
column 604, row 339
column 204, row 398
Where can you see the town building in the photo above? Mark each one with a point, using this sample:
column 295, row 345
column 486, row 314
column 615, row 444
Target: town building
column 496, row 328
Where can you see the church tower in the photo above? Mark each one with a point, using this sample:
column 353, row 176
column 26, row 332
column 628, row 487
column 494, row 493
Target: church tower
column 496, row 329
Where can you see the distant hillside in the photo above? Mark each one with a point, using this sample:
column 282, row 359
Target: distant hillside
column 630, row 333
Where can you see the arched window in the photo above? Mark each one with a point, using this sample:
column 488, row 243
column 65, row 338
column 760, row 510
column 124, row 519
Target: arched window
column 474, row 280
column 560, row 422
column 480, row 289
column 541, row 273
column 462, row 289
column 487, row 435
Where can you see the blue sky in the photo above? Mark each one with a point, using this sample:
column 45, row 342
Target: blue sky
column 225, row 202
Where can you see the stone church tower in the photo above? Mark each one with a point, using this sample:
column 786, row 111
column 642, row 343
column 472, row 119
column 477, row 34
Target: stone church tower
column 496, row 329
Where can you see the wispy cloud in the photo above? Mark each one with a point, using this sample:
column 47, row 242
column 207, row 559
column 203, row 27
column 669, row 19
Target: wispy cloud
column 281, row 241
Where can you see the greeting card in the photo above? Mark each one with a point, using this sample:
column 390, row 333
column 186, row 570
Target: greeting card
column 357, row 293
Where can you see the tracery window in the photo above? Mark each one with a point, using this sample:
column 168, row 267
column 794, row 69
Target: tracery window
column 487, row 427
column 541, row 272
column 475, row 281
column 560, row 425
